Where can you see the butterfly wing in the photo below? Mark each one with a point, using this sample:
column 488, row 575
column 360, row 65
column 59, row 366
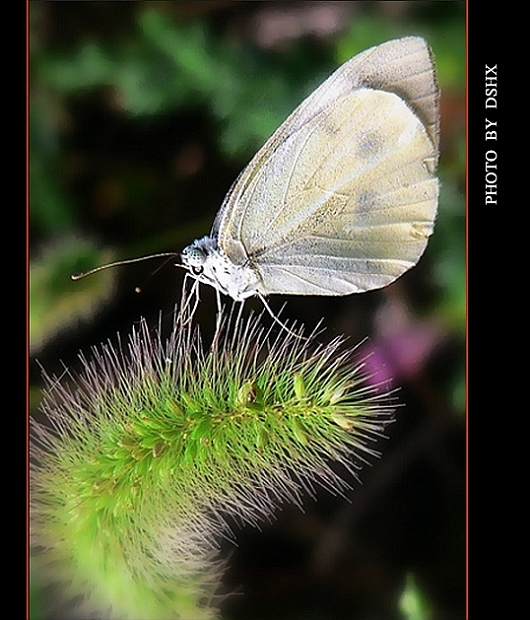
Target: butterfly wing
column 342, row 197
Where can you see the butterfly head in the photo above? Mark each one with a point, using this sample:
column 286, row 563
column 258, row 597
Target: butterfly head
column 195, row 256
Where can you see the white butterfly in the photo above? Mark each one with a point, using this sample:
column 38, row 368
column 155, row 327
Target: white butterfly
column 342, row 197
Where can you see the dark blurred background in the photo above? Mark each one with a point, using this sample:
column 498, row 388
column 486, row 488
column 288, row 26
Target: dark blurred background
column 141, row 116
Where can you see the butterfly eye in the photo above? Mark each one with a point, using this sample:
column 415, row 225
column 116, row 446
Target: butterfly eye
column 197, row 270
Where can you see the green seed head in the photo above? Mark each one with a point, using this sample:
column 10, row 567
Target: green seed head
column 145, row 455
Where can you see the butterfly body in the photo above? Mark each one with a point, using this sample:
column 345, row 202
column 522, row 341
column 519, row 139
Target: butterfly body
column 209, row 264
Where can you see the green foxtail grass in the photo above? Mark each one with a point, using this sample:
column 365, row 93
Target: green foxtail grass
column 143, row 458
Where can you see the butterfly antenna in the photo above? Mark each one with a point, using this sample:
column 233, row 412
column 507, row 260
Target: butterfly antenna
column 84, row 274
column 277, row 320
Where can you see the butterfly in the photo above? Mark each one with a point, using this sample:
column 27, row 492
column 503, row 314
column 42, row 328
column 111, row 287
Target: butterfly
column 342, row 198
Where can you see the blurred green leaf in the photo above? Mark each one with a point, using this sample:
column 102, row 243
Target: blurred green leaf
column 413, row 605
column 51, row 210
column 56, row 303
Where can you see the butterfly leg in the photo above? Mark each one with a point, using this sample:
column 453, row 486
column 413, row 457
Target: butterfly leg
column 277, row 320
column 194, row 293
column 236, row 325
column 218, row 319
